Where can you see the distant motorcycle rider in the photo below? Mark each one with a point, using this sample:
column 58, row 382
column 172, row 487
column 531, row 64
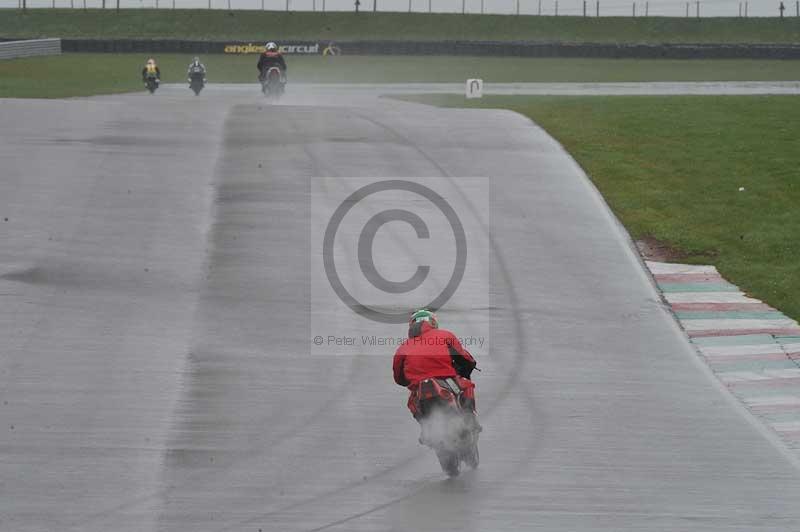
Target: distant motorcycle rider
column 271, row 57
column 151, row 70
column 430, row 352
column 196, row 68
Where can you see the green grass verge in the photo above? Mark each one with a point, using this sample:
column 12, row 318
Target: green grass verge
column 277, row 25
column 87, row 74
column 671, row 168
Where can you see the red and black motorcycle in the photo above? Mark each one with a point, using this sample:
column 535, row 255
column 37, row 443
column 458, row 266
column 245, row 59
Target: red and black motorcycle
column 445, row 407
column 273, row 83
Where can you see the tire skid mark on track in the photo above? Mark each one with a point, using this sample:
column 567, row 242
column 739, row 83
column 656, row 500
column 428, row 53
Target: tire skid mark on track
column 372, row 510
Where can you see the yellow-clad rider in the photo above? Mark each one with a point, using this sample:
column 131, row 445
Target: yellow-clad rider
column 151, row 70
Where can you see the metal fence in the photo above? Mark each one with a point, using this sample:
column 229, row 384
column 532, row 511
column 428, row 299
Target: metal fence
column 12, row 49
column 588, row 8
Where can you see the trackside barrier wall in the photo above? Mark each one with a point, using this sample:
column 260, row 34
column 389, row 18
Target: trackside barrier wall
column 12, row 49
column 472, row 48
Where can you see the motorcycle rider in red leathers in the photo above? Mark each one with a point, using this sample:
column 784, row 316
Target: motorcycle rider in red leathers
column 430, row 352
column 269, row 58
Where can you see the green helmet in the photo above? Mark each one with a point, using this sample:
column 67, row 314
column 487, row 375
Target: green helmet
column 423, row 314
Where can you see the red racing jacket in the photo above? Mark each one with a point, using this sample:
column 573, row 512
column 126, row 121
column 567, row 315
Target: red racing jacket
column 430, row 353
column 271, row 59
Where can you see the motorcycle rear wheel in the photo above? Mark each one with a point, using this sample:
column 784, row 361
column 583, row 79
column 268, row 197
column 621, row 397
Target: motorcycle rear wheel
column 472, row 458
column 450, row 462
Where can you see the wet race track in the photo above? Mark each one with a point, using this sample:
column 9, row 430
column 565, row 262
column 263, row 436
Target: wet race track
column 159, row 286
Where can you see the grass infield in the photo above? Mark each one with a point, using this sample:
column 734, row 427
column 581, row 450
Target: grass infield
column 87, row 74
column 277, row 25
column 671, row 168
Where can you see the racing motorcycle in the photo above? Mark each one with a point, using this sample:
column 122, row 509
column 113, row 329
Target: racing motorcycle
column 445, row 407
column 151, row 82
column 197, row 80
column 273, row 83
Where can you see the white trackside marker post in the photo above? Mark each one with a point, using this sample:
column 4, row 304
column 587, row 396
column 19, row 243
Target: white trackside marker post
column 474, row 88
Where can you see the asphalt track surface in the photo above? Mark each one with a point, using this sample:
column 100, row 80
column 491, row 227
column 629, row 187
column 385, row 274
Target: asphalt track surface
column 153, row 337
